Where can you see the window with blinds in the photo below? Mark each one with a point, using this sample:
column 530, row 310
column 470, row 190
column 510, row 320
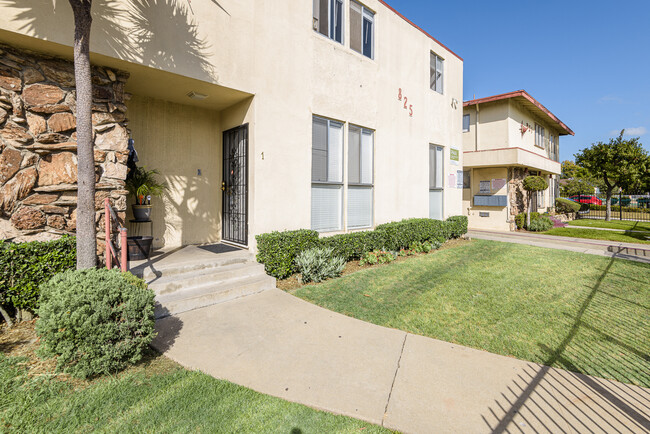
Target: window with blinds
column 466, row 120
column 539, row 136
column 362, row 23
column 360, row 177
column 436, row 181
column 328, row 18
column 326, row 175
column 436, row 72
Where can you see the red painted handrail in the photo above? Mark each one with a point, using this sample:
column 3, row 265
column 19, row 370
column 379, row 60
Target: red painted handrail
column 109, row 217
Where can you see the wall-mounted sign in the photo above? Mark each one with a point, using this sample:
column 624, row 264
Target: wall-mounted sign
column 484, row 187
column 498, row 184
column 452, row 180
column 454, row 156
column 459, row 179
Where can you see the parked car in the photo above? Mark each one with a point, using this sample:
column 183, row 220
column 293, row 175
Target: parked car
column 592, row 200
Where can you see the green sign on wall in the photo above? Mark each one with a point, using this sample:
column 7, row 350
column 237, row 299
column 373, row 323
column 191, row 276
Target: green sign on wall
column 454, row 154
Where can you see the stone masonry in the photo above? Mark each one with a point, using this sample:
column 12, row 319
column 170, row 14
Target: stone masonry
column 516, row 193
column 38, row 161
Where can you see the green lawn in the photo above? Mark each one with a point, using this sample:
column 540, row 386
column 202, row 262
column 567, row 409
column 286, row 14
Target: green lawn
column 579, row 312
column 595, row 234
column 614, row 224
column 146, row 399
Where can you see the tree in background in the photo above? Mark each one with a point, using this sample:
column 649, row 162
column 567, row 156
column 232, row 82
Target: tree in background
column 533, row 184
column 577, row 180
column 86, row 232
column 619, row 164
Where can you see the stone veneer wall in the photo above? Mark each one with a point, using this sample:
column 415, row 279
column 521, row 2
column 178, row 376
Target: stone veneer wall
column 38, row 162
column 516, row 193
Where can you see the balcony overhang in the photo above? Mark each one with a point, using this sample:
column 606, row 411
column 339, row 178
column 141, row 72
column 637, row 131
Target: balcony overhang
column 510, row 157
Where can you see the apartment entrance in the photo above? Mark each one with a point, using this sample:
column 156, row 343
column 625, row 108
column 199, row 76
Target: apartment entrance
column 234, row 186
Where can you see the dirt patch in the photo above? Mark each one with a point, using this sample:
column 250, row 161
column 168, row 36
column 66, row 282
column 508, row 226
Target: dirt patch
column 292, row 283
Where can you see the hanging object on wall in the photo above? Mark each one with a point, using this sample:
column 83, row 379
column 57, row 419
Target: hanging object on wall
column 524, row 128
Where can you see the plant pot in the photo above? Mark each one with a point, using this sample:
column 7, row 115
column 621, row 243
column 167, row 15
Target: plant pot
column 141, row 213
column 138, row 248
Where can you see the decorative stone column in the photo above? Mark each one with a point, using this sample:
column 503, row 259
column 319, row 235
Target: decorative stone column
column 38, row 161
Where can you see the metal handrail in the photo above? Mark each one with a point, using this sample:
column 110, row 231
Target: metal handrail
column 111, row 251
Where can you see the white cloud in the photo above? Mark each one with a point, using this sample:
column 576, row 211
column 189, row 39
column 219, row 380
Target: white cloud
column 610, row 98
column 636, row 132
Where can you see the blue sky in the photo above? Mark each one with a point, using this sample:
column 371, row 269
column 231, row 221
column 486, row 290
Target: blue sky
column 586, row 61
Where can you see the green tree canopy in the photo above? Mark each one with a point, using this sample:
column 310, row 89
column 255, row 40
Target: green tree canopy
column 621, row 163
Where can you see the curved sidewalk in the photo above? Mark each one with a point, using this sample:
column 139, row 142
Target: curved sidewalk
column 280, row 345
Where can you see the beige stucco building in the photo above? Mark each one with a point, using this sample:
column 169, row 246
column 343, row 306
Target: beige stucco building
column 264, row 115
column 506, row 138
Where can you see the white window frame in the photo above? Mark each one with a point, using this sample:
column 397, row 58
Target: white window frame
column 328, row 183
column 438, row 151
column 469, row 120
column 370, row 16
column 433, row 71
column 539, row 136
column 361, row 184
column 330, row 28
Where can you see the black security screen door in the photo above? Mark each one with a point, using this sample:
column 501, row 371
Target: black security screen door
column 235, row 185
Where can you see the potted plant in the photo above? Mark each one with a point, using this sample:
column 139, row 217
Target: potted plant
column 142, row 184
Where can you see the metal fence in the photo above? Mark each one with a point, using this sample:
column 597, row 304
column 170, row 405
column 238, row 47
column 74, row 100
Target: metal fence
column 624, row 206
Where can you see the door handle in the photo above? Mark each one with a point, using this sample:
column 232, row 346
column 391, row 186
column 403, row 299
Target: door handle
column 223, row 186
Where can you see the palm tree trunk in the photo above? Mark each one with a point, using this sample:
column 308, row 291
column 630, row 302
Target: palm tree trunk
column 86, row 234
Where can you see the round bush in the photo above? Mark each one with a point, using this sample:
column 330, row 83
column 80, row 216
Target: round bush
column 535, row 183
column 540, row 224
column 95, row 321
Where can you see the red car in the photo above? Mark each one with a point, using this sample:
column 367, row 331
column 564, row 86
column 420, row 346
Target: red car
column 592, row 200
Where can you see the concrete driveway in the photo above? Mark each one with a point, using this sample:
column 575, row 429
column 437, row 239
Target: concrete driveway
column 280, row 345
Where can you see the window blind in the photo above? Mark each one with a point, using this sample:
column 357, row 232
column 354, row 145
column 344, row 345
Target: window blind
column 435, row 204
column 326, row 203
column 360, row 207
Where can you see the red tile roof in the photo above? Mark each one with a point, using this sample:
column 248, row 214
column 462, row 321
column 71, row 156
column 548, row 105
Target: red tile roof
column 526, row 96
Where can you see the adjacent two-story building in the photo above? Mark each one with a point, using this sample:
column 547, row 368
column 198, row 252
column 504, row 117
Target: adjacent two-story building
column 506, row 138
column 334, row 115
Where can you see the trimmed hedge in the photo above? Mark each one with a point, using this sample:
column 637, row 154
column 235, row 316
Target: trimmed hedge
column 618, row 208
column 95, row 321
column 566, row 205
column 520, row 219
column 278, row 250
column 25, row 266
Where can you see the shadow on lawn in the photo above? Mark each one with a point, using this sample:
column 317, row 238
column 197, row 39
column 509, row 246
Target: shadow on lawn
column 546, row 399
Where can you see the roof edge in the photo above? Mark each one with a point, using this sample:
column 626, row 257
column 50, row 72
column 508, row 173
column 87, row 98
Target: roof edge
column 521, row 93
column 419, row 28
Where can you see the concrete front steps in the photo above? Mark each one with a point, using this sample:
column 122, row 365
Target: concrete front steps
column 196, row 283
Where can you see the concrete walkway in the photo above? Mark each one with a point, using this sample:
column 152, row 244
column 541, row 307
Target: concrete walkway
column 612, row 249
column 280, row 345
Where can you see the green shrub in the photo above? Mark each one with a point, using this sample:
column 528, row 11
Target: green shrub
column 457, row 226
column 400, row 235
column 520, row 219
column 618, row 208
column 319, row 264
column 24, row 267
column 535, row 183
column 278, row 250
column 540, row 224
column 353, row 245
column 566, row 206
column 95, row 321
column 377, row 257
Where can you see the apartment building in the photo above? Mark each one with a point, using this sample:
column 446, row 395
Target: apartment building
column 506, row 138
column 260, row 115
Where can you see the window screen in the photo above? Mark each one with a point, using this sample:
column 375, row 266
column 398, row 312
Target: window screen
column 326, row 174
column 436, row 73
column 362, row 23
column 360, row 177
column 465, row 123
column 328, row 18
column 436, row 172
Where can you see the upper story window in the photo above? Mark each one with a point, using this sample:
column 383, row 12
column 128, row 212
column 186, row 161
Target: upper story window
column 539, row 136
column 328, row 18
column 362, row 29
column 465, row 123
column 436, row 72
